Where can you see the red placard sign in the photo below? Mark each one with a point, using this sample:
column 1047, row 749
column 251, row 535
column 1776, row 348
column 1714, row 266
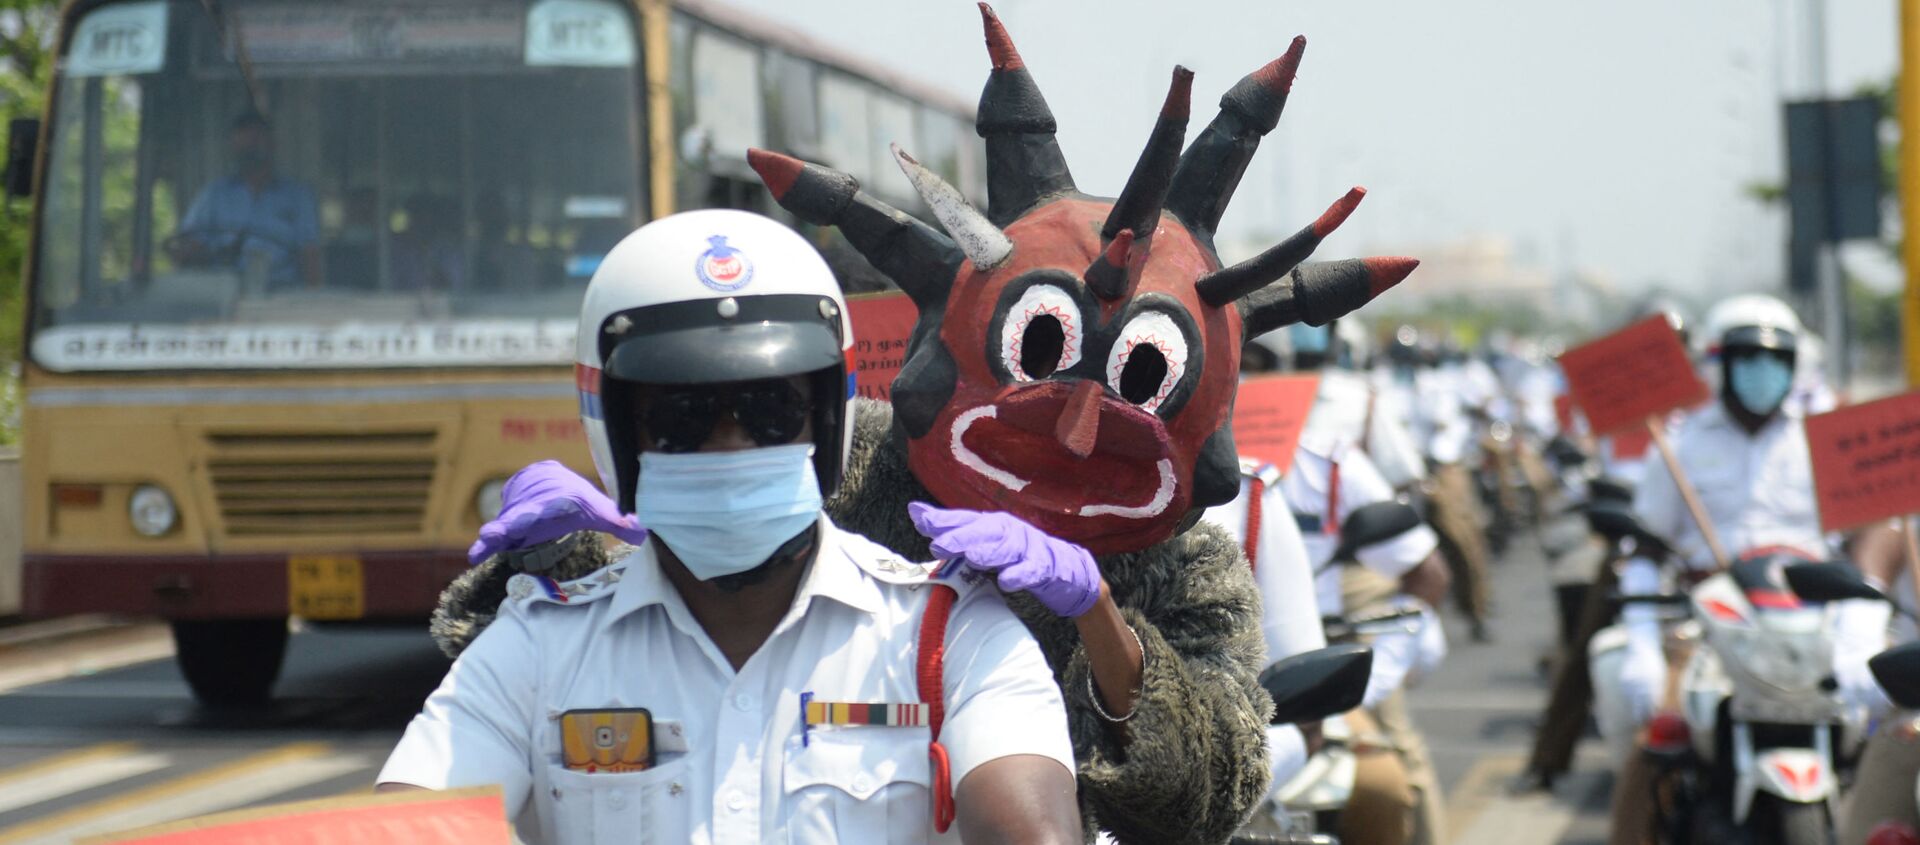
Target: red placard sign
column 882, row 323
column 454, row 817
column 1268, row 414
column 1630, row 444
column 1627, row 377
column 1866, row 461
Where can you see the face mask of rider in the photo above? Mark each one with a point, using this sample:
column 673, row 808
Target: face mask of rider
column 724, row 513
column 1760, row 382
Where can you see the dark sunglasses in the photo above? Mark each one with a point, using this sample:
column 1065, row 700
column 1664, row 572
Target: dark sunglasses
column 681, row 418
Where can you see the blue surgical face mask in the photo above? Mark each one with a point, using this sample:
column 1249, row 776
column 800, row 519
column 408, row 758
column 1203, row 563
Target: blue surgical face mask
column 1759, row 382
column 726, row 512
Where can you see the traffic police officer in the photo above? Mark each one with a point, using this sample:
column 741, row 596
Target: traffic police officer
column 1746, row 455
column 757, row 636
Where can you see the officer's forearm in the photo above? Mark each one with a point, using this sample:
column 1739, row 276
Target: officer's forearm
column 1114, row 654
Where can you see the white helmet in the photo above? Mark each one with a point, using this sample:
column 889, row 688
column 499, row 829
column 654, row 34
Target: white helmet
column 708, row 297
column 1752, row 320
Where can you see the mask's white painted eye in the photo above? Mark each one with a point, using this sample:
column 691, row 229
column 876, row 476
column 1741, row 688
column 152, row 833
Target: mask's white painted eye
column 1042, row 334
column 1147, row 360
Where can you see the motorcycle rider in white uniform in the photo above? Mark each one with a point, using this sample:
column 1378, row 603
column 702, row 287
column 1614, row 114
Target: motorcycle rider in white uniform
column 1746, row 456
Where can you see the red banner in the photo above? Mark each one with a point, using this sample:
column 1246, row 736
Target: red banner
column 475, row 816
column 1866, row 461
column 1625, row 378
column 882, row 323
column 1269, row 413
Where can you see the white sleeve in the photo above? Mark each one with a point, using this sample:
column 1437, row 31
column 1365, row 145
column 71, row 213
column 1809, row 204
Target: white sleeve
column 1002, row 699
column 1360, row 485
column 1286, row 753
column 1391, row 447
column 1657, row 503
column 1859, row 633
column 477, row 728
column 1394, row 656
column 1289, row 612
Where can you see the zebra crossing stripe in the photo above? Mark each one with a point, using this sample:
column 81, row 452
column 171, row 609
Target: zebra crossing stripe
column 249, row 779
column 64, row 774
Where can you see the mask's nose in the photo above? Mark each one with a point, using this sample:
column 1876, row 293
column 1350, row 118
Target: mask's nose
column 1079, row 426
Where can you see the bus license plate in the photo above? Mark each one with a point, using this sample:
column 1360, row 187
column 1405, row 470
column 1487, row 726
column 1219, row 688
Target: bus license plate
column 325, row 587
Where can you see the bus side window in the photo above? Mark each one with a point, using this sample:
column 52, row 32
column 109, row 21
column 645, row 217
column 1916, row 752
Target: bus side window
column 728, row 117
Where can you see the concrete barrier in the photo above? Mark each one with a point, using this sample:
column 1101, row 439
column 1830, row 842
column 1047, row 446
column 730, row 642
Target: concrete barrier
column 11, row 506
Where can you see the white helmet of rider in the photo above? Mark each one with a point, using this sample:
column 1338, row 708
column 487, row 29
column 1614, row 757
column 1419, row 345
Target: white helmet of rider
column 710, row 297
column 1752, row 320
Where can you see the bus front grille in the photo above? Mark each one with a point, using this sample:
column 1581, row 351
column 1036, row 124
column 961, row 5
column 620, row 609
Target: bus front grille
column 306, row 484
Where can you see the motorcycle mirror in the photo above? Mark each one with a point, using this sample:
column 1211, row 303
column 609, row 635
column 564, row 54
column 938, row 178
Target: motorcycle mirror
column 1314, row 685
column 1898, row 671
column 1824, row 582
column 1374, row 523
column 1608, row 488
column 1615, row 521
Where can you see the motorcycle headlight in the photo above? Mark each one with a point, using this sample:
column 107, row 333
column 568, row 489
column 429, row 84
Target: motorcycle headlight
column 487, row 500
column 151, row 510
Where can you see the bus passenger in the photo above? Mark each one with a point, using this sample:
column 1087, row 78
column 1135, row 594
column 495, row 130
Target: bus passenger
column 253, row 215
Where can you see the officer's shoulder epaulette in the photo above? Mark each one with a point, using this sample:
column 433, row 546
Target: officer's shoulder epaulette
column 527, row 588
column 890, row 568
column 1255, row 468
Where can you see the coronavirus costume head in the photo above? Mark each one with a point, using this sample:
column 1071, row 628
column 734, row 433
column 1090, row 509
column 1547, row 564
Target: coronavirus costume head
column 1075, row 358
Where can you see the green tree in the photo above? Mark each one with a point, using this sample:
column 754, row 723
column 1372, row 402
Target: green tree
column 26, row 66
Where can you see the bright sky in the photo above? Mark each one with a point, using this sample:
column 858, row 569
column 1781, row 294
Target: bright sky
column 1614, row 136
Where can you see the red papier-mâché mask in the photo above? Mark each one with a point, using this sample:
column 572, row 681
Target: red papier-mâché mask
column 1075, row 358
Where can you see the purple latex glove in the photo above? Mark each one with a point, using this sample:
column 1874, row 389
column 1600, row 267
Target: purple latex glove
column 1059, row 574
column 546, row 501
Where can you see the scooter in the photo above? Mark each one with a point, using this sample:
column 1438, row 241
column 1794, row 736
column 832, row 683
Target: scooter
column 1750, row 756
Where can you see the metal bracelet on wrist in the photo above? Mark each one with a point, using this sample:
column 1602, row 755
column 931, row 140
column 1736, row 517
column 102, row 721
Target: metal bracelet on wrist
column 540, row 558
column 1093, row 691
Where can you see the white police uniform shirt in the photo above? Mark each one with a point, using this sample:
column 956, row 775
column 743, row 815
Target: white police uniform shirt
column 1289, row 610
column 1346, row 407
column 624, row 638
column 1309, row 491
column 1757, row 489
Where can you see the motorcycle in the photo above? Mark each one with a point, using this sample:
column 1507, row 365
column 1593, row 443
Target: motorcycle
column 1316, row 794
column 1750, row 756
column 1897, row 670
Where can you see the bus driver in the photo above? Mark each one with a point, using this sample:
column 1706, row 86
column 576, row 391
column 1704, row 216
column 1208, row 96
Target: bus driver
column 253, row 214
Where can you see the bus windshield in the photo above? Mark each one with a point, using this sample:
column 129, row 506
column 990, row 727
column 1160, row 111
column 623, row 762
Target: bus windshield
column 328, row 184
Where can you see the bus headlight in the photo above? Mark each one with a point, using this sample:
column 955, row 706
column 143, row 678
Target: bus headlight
column 151, row 511
column 487, row 501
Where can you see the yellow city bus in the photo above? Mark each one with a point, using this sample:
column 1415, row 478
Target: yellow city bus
column 305, row 276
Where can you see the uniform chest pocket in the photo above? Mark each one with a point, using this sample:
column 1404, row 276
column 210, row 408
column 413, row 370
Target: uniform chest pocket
column 859, row 784
column 649, row 806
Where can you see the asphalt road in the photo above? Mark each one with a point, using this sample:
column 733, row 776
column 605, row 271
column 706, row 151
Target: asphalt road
column 100, row 749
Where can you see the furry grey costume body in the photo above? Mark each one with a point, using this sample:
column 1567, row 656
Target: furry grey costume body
column 1193, row 760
